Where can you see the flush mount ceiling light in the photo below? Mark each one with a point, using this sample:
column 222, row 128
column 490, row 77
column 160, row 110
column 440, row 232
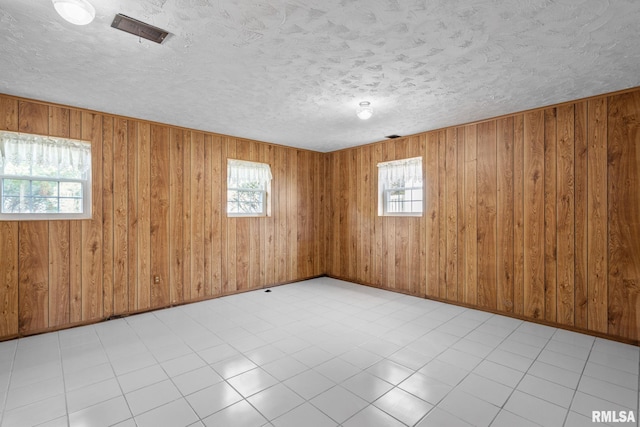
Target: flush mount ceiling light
column 364, row 110
column 78, row 12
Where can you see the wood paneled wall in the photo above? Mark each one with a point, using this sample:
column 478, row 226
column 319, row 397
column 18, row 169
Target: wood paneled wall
column 158, row 210
column 535, row 214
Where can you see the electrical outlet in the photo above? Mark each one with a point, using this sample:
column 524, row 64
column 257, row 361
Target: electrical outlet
column 156, row 279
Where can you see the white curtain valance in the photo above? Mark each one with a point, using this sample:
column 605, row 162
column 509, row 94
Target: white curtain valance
column 401, row 173
column 44, row 152
column 241, row 172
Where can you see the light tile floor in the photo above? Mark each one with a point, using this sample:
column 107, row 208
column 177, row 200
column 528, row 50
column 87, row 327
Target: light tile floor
column 317, row 353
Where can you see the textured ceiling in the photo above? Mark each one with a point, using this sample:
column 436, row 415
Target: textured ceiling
column 293, row 71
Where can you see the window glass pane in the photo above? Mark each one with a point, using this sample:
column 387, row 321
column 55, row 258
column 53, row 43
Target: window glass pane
column 13, row 205
column 15, row 187
column 44, row 188
column 45, row 205
column 70, row 205
column 70, row 189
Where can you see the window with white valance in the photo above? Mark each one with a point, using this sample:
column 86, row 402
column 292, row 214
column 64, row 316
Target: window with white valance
column 400, row 188
column 44, row 177
column 248, row 188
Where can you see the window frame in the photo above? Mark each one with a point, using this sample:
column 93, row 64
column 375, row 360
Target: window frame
column 85, row 182
column 384, row 191
column 265, row 192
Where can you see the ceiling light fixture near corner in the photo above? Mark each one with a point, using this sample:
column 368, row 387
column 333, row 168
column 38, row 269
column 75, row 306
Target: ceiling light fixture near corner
column 364, row 110
column 78, row 12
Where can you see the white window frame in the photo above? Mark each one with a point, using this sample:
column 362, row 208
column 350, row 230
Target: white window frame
column 255, row 172
column 62, row 155
column 405, row 175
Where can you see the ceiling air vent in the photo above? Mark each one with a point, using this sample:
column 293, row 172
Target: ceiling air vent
column 392, row 136
column 139, row 28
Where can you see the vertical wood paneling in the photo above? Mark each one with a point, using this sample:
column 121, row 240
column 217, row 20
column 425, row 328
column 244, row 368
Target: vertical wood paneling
column 378, row 248
column 208, row 215
column 291, row 215
column 486, row 188
column 518, row 214
column 624, row 215
column 176, row 212
column 534, row 215
column 107, row 215
column 270, row 223
column 218, row 174
column 280, row 214
column 143, row 297
column 550, row 215
column 432, row 208
column 581, row 209
column 400, row 235
column 256, row 271
column 120, row 218
column 565, row 214
column 159, row 218
column 597, row 214
column 33, row 276
column 461, row 246
column 505, row 215
column 442, row 216
column 132, row 217
column 389, row 227
column 197, row 216
column 451, row 197
column 471, row 215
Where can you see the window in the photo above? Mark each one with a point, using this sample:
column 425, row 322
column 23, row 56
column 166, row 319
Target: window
column 44, row 177
column 400, row 187
column 248, row 187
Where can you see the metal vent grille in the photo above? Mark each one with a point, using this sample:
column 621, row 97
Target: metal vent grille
column 392, row 136
column 139, row 28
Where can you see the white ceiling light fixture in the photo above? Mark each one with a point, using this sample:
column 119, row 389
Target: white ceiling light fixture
column 364, row 110
column 78, row 12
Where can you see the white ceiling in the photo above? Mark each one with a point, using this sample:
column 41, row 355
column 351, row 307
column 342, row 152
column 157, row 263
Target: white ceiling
column 293, row 71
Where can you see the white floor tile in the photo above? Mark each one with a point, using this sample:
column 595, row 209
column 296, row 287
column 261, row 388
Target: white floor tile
column 35, row 413
column 339, row 403
column 174, row 414
column 608, row 391
column 233, row 366
column 338, row 346
column 252, row 382
column 285, row 367
column 390, row 371
column 426, row 388
column 372, row 417
column 444, row 372
column 309, row 384
column 87, row 396
column 469, row 408
column 182, row 364
column 150, row 397
column 196, row 380
column 141, row 378
column 499, row 373
column 485, row 389
column 337, row 370
column 304, row 415
column 403, row 406
column 508, row 419
column 104, row 414
column 367, row 386
column 212, row 399
column 537, row 410
column 547, row 390
column 240, row 414
column 275, row 401
column 440, row 418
